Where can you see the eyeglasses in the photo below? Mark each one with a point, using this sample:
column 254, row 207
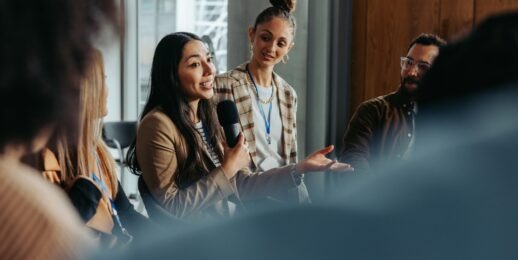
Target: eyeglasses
column 407, row 63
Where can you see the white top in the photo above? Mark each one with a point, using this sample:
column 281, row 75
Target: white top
column 269, row 154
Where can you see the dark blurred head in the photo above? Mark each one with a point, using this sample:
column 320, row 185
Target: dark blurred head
column 484, row 61
column 422, row 51
column 45, row 48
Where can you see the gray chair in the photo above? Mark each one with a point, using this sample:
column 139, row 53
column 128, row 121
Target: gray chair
column 119, row 135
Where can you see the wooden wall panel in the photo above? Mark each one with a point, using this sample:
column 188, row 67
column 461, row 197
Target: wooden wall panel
column 391, row 25
column 483, row 8
column 358, row 64
column 382, row 30
column 456, row 18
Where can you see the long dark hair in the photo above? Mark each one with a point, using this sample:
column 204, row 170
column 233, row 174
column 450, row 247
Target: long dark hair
column 166, row 94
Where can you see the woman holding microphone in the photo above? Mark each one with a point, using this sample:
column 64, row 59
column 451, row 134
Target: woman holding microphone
column 179, row 151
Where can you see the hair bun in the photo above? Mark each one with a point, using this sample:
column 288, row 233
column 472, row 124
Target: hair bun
column 286, row 5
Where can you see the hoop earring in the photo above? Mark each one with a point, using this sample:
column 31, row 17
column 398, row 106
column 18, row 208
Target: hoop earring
column 285, row 59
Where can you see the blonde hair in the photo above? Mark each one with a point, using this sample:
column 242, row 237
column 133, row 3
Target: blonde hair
column 76, row 155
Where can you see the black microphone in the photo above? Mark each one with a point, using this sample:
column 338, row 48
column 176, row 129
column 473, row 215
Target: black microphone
column 229, row 120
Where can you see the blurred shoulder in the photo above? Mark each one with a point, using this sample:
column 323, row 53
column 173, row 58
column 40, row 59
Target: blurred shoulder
column 38, row 207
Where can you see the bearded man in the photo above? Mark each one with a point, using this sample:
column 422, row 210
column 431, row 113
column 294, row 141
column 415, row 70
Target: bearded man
column 382, row 129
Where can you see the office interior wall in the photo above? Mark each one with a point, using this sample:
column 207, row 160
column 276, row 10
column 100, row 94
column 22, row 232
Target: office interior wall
column 383, row 29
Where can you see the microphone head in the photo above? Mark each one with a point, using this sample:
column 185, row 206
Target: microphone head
column 227, row 113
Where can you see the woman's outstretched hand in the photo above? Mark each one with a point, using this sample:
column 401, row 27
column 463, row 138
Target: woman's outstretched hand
column 317, row 161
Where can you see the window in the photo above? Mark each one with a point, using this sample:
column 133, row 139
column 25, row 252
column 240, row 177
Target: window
column 157, row 18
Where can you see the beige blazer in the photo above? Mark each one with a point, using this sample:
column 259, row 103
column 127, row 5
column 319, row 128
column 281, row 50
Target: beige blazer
column 162, row 153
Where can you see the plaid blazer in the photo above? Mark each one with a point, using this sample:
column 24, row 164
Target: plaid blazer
column 237, row 86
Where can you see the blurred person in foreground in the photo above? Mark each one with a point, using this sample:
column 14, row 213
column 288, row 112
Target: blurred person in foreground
column 454, row 199
column 45, row 50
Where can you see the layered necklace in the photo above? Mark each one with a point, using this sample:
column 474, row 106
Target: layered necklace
column 256, row 91
column 266, row 102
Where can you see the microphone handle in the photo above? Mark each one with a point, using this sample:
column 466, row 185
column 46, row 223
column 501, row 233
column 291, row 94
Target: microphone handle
column 232, row 134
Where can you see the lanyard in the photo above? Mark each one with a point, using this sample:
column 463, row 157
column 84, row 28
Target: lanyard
column 266, row 120
column 101, row 183
column 105, row 190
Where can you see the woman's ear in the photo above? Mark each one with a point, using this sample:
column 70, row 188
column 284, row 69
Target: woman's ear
column 291, row 46
column 251, row 34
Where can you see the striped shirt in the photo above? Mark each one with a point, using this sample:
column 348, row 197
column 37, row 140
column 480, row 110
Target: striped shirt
column 208, row 146
column 231, row 206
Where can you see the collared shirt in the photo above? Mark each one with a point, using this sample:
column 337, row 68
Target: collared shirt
column 381, row 130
